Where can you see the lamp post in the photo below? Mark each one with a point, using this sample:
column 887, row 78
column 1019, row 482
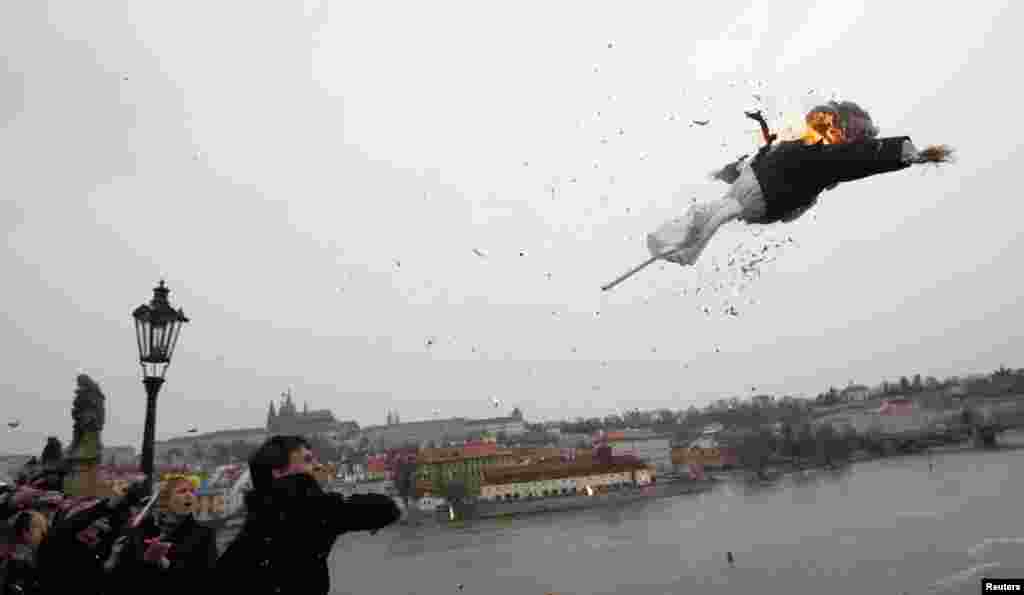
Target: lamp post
column 157, row 326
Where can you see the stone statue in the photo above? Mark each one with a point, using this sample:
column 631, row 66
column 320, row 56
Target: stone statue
column 88, row 413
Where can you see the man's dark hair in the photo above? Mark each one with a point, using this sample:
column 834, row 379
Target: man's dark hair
column 272, row 455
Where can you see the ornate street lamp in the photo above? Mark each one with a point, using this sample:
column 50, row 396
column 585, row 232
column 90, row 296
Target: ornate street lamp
column 157, row 326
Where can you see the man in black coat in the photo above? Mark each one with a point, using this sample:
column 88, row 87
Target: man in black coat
column 291, row 524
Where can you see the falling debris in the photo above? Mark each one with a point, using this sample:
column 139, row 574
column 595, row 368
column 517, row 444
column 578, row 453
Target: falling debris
column 430, row 342
column 547, row 276
column 702, row 122
column 522, row 253
column 479, row 253
column 13, row 424
column 398, row 263
column 610, row 45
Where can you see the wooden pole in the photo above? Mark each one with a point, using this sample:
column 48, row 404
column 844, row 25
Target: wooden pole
column 640, row 267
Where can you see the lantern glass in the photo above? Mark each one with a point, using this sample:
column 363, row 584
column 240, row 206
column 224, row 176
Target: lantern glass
column 157, row 327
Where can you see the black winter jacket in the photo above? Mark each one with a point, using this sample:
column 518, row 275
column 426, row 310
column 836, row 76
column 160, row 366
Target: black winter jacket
column 289, row 533
column 192, row 559
column 792, row 175
column 71, row 558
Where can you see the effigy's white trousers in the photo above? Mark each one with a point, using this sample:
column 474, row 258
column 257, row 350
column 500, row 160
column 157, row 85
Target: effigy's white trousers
column 690, row 234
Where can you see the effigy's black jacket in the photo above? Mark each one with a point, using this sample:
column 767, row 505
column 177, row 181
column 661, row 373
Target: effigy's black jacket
column 792, row 175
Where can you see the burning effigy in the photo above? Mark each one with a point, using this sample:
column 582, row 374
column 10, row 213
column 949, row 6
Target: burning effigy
column 783, row 180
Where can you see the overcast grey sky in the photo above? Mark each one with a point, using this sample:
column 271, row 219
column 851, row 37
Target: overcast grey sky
column 274, row 160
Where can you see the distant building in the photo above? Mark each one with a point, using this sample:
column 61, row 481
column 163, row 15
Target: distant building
column 187, row 444
column 894, row 416
column 651, row 448
column 436, row 466
column 442, row 431
column 707, row 451
column 763, row 401
column 563, row 479
column 511, row 426
column 288, row 420
column 437, row 431
column 566, row 440
column 855, row 392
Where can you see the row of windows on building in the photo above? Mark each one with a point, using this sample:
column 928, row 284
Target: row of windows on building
column 566, row 486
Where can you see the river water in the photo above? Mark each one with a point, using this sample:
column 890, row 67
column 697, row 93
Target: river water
column 890, row 526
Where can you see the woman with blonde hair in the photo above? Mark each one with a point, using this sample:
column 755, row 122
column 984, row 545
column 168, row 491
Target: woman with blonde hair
column 168, row 550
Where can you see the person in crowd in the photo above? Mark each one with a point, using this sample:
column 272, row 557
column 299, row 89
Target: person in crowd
column 18, row 499
column 169, row 551
column 292, row 523
column 81, row 536
column 19, row 568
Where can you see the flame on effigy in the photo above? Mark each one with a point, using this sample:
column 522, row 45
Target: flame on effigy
column 817, row 126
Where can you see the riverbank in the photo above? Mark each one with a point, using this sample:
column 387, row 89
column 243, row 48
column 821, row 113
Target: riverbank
column 1013, row 441
column 663, row 489
column 888, row 527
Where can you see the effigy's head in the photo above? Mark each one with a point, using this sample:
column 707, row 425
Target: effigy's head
column 838, row 122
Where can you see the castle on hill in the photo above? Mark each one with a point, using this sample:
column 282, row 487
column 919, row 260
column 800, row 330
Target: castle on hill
column 287, row 419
